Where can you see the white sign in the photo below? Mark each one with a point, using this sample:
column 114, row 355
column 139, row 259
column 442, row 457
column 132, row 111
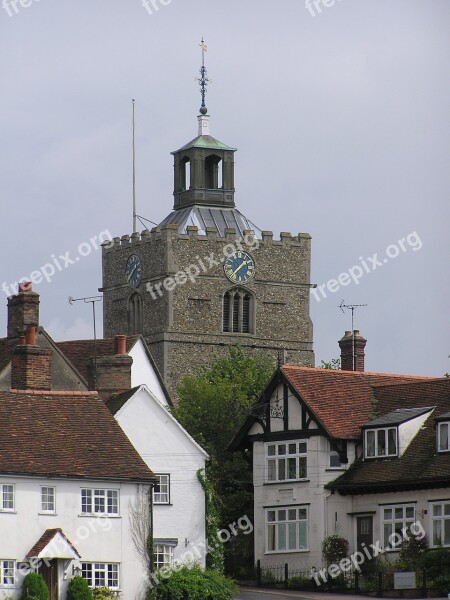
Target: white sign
column 405, row 581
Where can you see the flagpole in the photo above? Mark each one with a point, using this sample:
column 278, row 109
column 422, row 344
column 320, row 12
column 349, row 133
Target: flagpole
column 134, row 175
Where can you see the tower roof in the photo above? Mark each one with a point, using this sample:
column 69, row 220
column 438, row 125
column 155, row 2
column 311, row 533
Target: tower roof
column 206, row 216
column 207, row 142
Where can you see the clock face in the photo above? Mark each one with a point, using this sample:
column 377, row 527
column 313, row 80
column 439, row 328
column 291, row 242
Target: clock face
column 133, row 271
column 239, row 267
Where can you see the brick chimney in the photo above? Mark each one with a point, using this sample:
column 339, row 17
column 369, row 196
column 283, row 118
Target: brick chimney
column 113, row 373
column 348, row 362
column 23, row 310
column 31, row 366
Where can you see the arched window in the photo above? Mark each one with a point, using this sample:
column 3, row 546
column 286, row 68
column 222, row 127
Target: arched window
column 238, row 311
column 135, row 314
column 213, row 172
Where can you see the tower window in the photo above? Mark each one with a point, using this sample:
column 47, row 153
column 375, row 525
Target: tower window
column 185, row 174
column 238, row 311
column 135, row 314
column 213, row 172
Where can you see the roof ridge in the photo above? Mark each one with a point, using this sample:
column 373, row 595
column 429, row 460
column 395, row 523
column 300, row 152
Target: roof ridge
column 342, row 372
column 53, row 392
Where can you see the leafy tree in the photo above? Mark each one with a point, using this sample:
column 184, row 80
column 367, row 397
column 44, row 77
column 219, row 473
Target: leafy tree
column 334, row 549
column 212, row 407
column 334, row 363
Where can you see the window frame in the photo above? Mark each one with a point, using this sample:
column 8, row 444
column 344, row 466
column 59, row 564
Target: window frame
column 3, row 569
column 47, row 511
column 406, row 522
column 155, row 493
column 244, row 327
column 277, row 522
column 99, row 497
column 277, row 458
column 165, row 550
column 13, row 497
column 376, row 431
column 91, row 571
column 443, row 518
column 442, row 424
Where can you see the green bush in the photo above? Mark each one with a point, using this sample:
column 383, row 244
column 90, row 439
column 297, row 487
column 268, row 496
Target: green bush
column 34, row 588
column 301, row 583
column 436, row 562
column 411, row 553
column 192, row 583
column 103, row 593
column 334, row 549
column 79, row 589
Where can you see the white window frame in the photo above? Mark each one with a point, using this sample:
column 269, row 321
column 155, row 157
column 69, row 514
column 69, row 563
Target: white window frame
column 376, row 432
column 164, row 551
column 278, row 465
column 162, row 497
column 97, row 501
column 48, row 511
column 7, row 489
column 440, row 521
column 7, row 571
column 108, row 572
column 396, row 522
column 441, row 425
column 290, row 519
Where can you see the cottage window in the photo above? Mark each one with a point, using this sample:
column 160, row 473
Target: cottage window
column 104, row 502
column 7, row 497
column 444, row 436
column 396, row 520
column 287, row 529
column 161, row 491
column 286, row 461
column 163, row 555
column 381, row 442
column 440, row 519
column 48, row 499
column 7, row 573
column 101, row 575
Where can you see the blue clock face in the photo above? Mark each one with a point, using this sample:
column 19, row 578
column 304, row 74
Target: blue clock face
column 134, row 271
column 239, row 267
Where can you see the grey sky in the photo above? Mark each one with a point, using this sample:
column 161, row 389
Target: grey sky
column 340, row 120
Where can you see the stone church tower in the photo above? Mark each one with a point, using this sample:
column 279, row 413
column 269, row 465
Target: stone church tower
column 206, row 278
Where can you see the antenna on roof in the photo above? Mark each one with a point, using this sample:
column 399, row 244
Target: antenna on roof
column 351, row 307
column 92, row 300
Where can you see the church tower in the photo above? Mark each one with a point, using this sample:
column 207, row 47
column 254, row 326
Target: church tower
column 206, row 278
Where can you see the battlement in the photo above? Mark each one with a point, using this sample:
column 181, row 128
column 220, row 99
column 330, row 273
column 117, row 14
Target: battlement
column 170, row 231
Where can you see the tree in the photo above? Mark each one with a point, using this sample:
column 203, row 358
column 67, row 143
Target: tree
column 334, row 363
column 141, row 526
column 212, row 407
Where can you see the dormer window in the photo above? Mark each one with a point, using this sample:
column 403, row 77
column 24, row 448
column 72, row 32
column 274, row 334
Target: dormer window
column 443, row 436
column 380, row 442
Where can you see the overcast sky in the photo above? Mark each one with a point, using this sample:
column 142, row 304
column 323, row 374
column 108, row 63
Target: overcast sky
column 340, row 117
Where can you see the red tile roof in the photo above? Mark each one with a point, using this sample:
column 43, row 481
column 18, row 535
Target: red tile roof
column 341, row 400
column 79, row 352
column 65, row 435
column 45, row 539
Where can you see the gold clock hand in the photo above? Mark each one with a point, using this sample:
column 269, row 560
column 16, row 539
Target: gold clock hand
column 240, row 266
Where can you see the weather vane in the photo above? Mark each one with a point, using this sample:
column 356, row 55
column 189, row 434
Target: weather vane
column 204, row 80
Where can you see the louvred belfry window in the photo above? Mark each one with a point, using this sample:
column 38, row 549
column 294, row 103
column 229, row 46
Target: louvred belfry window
column 238, row 311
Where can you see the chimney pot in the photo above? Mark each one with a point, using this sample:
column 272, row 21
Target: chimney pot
column 30, row 338
column 22, row 340
column 120, row 343
column 25, row 286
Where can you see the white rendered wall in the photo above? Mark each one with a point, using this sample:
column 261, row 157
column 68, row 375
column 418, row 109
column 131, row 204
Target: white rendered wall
column 143, row 373
column 96, row 539
column 167, row 449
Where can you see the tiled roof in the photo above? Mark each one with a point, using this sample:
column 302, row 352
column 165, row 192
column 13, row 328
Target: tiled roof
column 79, row 352
column 341, row 400
column 65, row 434
column 400, row 415
column 45, row 539
column 421, row 464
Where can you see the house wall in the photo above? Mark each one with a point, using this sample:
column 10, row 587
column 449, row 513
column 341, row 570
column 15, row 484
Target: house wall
column 168, row 449
column 96, row 539
column 322, row 519
column 142, row 372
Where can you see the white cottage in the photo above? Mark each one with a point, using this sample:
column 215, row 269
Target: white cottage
column 176, row 458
